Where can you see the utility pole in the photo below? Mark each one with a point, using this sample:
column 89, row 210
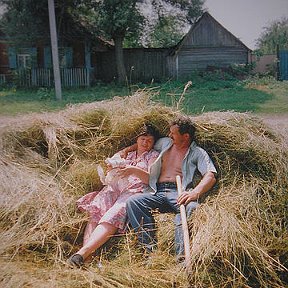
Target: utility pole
column 54, row 47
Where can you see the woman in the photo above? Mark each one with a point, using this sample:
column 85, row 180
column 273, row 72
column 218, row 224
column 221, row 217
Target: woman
column 107, row 208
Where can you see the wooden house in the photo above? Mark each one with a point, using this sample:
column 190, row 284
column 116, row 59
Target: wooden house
column 207, row 45
column 31, row 64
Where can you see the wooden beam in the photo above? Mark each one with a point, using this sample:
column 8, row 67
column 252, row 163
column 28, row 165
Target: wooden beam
column 54, row 47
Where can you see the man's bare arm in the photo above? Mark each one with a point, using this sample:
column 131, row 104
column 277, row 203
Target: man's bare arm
column 123, row 153
column 207, row 182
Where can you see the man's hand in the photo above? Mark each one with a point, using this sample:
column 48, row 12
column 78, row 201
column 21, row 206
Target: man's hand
column 124, row 152
column 109, row 167
column 205, row 185
column 186, row 197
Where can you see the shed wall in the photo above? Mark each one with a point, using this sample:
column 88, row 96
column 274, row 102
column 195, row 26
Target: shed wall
column 191, row 59
column 208, row 33
column 143, row 65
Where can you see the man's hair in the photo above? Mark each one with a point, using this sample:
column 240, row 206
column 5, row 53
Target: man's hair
column 185, row 125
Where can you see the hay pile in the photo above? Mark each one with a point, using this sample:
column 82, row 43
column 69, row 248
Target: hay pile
column 238, row 235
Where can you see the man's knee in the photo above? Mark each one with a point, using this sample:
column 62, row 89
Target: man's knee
column 133, row 200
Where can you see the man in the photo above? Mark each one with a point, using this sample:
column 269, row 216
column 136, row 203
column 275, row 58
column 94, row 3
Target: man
column 179, row 156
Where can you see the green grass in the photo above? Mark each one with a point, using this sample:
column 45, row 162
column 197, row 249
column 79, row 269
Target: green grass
column 207, row 93
column 236, row 98
column 17, row 101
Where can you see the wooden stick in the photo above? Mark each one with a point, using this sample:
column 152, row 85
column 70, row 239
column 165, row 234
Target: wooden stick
column 184, row 226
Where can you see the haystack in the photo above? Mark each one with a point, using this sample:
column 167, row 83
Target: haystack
column 238, row 235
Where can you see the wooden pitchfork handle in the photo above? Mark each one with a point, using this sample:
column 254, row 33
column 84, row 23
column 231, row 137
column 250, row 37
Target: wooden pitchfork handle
column 184, row 226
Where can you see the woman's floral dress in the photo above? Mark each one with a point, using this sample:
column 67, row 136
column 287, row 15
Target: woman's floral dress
column 109, row 204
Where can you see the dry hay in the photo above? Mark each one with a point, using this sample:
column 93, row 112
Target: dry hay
column 238, row 235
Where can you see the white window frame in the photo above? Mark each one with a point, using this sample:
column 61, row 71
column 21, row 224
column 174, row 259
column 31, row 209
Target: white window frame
column 24, row 60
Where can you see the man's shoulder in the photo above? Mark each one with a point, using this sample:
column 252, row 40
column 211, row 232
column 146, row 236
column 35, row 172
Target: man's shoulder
column 164, row 140
column 196, row 149
column 162, row 143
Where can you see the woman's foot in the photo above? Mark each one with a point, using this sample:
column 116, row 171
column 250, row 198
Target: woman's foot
column 76, row 260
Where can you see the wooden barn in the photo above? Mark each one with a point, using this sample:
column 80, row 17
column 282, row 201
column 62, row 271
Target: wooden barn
column 207, row 45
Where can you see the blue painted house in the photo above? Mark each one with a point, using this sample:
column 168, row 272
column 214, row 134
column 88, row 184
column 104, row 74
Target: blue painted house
column 31, row 65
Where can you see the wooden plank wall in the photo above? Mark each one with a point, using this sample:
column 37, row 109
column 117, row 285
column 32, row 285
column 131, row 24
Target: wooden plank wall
column 4, row 61
column 146, row 65
column 209, row 33
column 193, row 59
column 142, row 65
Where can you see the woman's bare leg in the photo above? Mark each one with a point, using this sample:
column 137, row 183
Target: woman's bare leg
column 98, row 237
column 90, row 227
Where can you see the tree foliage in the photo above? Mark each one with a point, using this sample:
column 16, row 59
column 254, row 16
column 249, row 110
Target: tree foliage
column 21, row 18
column 172, row 19
column 275, row 35
column 27, row 20
column 166, row 33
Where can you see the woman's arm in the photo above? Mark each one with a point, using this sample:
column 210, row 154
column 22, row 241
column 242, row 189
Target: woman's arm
column 136, row 171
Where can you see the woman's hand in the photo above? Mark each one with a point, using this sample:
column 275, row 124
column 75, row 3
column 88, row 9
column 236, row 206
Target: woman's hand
column 125, row 171
column 123, row 153
column 109, row 167
column 135, row 171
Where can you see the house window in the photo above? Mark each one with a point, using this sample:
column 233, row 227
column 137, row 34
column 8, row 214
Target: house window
column 24, row 60
column 65, row 57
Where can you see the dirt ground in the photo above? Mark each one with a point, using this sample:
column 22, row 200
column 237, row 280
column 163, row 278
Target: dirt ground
column 276, row 121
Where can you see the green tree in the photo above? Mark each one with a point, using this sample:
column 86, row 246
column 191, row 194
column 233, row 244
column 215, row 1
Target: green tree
column 17, row 20
column 167, row 32
column 275, row 35
column 27, row 20
column 114, row 19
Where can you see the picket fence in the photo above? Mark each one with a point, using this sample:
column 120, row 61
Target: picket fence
column 40, row 77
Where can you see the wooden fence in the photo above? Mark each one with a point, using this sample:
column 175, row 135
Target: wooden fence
column 40, row 77
column 141, row 64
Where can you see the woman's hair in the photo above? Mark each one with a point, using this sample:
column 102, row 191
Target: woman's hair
column 149, row 130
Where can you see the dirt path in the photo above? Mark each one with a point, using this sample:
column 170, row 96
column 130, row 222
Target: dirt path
column 276, row 121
